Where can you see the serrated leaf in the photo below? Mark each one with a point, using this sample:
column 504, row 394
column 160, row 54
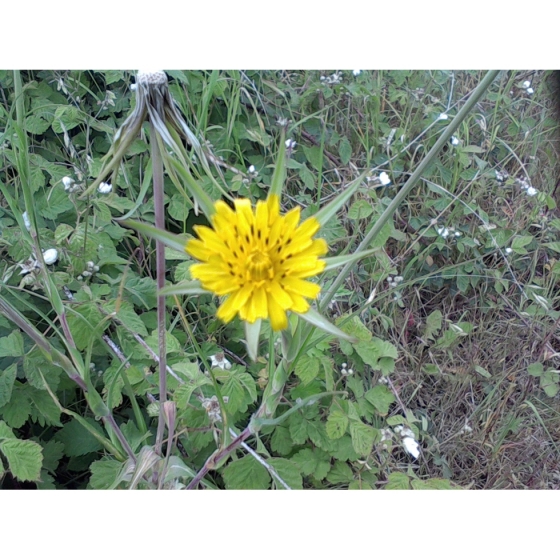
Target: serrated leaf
column 12, row 345
column 433, row 324
column 57, row 202
column 314, row 156
column 344, row 150
column 288, row 471
column 363, row 437
column 313, row 462
column 360, row 210
column 281, row 442
column 17, row 410
column 246, row 474
column 24, row 458
column 307, row 369
column 52, row 453
column 125, row 313
column 143, row 291
column 35, row 124
column 7, row 378
column 431, row 484
column 337, row 422
column 47, row 412
column 77, row 440
column 298, row 428
column 381, row 398
column 5, row 431
column 340, row 473
column 104, row 473
column 549, row 383
column 398, row 481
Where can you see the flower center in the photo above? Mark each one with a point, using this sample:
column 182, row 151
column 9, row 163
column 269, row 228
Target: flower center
column 259, row 266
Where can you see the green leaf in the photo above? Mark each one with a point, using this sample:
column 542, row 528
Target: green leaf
column 24, row 458
column 85, row 322
column 17, row 410
column 7, row 378
column 431, row 484
column 554, row 245
column 360, row 210
column 5, row 431
column 519, row 243
column 549, row 383
column 398, row 481
column 104, row 473
column 127, row 316
column 142, row 291
column 288, row 471
column 337, row 422
column 281, row 442
column 381, row 398
column 169, row 239
column 314, row 155
column 317, row 320
column 433, row 324
column 341, row 473
column 344, row 150
column 363, row 437
column 307, row 369
column 298, row 428
column 57, row 202
column 315, row 462
column 46, row 412
column 77, row 440
column 12, row 345
column 246, row 474
column 52, row 453
column 536, row 369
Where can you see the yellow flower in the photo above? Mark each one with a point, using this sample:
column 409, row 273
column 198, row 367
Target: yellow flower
column 259, row 259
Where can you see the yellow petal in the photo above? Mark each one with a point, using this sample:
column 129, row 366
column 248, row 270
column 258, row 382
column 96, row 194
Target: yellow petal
column 301, row 287
column 278, row 318
column 280, row 296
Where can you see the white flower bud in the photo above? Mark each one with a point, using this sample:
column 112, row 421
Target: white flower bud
column 50, row 256
column 104, row 188
column 26, row 221
column 68, row 183
column 384, row 178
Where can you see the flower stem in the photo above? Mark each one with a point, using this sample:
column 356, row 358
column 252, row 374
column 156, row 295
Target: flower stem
column 157, row 166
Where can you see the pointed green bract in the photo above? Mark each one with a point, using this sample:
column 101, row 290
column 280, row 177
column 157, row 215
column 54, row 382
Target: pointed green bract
column 280, row 170
column 328, row 211
column 252, row 334
column 188, row 287
column 317, row 320
column 341, row 260
column 174, row 241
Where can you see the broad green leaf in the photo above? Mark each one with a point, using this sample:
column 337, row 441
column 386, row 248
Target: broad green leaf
column 549, row 383
column 381, row 398
column 398, row 481
column 46, row 411
column 77, row 440
column 360, row 210
column 281, row 442
column 53, row 451
column 288, row 471
column 17, row 410
column 298, row 428
column 171, row 342
column 314, row 156
column 5, row 431
column 85, row 322
column 12, row 345
column 307, row 369
column 433, row 324
column 340, row 473
column 24, row 458
column 246, row 474
column 7, row 378
column 344, row 150
column 337, row 422
column 313, row 462
column 125, row 313
column 431, row 484
column 316, row 319
column 536, row 369
column 363, row 437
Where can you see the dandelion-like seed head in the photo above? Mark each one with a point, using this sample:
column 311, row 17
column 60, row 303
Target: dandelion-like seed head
column 259, row 260
column 151, row 77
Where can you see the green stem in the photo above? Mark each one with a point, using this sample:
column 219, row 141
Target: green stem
column 157, row 167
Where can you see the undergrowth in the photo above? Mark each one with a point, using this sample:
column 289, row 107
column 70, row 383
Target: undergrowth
column 453, row 377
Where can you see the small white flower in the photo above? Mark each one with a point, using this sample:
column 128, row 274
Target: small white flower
column 384, row 178
column 454, row 141
column 383, row 380
column 443, row 117
column 220, row 361
column 356, row 72
column 26, row 221
column 411, row 446
column 133, row 87
column 50, row 256
column 251, row 169
column 386, row 434
column 530, row 90
column 282, row 121
column 526, row 84
column 457, row 234
column 344, row 364
column 509, row 250
column 499, row 176
column 68, row 183
column 290, row 144
column 104, row 188
column 531, row 191
column 443, row 231
column 398, row 279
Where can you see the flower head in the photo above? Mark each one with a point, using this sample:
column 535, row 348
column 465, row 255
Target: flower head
column 50, row 256
column 258, row 259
